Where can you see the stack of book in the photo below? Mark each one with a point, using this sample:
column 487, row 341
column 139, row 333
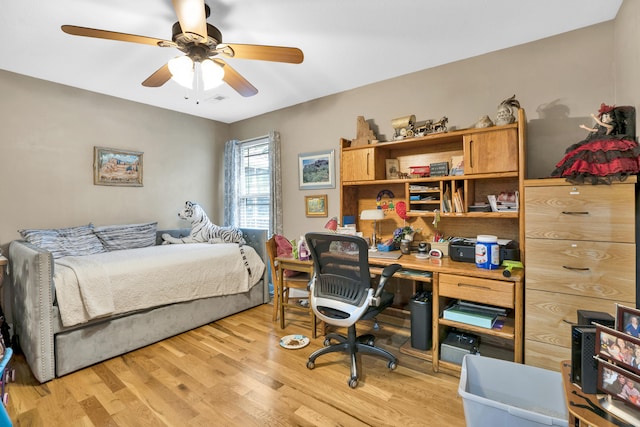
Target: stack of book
column 458, row 200
column 474, row 314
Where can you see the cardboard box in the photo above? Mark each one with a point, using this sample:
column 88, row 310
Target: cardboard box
column 442, row 246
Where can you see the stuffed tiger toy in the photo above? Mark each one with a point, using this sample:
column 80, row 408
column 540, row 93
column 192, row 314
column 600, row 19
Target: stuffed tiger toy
column 205, row 231
column 202, row 229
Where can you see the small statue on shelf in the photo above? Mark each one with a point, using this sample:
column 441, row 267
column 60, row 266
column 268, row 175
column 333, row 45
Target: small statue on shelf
column 609, row 150
column 483, row 122
column 505, row 111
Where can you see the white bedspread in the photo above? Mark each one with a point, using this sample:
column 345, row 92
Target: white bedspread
column 117, row 282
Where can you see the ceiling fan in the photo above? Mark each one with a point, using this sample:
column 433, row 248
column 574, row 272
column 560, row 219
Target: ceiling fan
column 202, row 46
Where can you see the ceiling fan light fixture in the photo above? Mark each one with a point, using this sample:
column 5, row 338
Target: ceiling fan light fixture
column 181, row 69
column 212, row 74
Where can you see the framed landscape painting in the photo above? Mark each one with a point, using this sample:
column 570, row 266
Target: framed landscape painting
column 316, row 170
column 117, row 167
column 316, row 205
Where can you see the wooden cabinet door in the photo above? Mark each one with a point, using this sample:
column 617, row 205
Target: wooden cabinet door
column 491, row 152
column 358, row 165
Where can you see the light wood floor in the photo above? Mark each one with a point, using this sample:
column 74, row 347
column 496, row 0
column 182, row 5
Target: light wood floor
column 234, row 373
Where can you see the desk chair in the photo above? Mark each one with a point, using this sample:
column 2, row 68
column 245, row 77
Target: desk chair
column 281, row 289
column 341, row 294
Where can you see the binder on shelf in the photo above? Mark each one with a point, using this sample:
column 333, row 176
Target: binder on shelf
column 471, row 316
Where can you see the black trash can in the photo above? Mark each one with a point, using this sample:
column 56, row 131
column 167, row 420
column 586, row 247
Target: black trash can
column 421, row 306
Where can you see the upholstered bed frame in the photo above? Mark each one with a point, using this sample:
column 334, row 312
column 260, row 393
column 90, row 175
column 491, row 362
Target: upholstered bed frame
column 52, row 350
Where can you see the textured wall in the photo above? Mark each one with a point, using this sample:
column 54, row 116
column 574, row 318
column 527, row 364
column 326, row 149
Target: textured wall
column 559, row 81
column 47, row 135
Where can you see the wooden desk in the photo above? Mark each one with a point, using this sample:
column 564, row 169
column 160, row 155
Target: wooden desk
column 453, row 280
column 579, row 416
column 462, row 280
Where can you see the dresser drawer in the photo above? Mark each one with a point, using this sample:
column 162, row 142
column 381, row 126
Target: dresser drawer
column 485, row 291
column 581, row 212
column 591, row 269
column 544, row 355
column 549, row 315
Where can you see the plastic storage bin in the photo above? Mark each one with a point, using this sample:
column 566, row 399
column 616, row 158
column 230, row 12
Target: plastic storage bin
column 499, row 393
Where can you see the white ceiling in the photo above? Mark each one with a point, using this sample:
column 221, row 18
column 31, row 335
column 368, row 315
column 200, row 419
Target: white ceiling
column 346, row 43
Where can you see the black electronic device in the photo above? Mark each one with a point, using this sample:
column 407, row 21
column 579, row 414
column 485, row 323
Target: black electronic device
column 587, row 317
column 456, row 345
column 584, row 367
column 464, row 250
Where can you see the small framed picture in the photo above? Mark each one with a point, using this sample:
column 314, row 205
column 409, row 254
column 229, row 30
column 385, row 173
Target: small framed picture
column 628, row 320
column 619, row 347
column 393, row 168
column 619, row 383
column 316, row 205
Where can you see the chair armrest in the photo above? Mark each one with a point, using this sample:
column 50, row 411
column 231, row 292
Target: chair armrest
column 388, row 271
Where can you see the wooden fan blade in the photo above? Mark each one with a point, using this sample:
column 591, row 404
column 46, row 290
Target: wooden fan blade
column 191, row 14
column 291, row 55
column 235, row 80
column 160, row 77
column 112, row 35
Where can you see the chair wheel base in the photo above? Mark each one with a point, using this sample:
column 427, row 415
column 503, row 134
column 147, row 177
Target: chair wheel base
column 310, row 365
column 353, row 382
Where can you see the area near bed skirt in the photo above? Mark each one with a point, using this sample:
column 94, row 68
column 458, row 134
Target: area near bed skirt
column 150, row 277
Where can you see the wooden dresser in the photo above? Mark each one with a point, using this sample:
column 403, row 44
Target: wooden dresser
column 580, row 253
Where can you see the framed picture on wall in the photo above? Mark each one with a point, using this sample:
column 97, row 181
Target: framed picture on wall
column 316, row 170
column 113, row 166
column 316, row 205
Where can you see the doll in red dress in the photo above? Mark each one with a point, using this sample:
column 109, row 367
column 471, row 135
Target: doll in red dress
column 609, row 151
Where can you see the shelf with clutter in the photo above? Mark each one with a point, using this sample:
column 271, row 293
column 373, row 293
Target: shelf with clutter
column 427, row 188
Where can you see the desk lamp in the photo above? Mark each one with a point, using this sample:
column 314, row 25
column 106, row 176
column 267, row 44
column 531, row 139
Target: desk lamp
column 375, row 215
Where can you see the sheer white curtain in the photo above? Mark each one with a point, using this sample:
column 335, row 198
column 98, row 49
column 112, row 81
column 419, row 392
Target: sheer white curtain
column 234, row 172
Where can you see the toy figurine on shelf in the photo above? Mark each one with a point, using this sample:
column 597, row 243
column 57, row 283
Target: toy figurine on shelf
column 609, row 151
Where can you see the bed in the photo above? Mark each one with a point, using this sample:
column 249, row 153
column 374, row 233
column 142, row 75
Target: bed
column 152, row 295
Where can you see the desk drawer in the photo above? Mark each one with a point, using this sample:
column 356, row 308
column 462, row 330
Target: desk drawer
column 581, row 212
column 484, row 291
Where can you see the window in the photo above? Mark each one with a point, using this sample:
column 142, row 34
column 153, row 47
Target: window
column 252, row 188
column 253, row 184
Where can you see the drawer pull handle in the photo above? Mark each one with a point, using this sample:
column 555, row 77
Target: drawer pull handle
column 576, row 268
column 575, row 213
column 473, row 286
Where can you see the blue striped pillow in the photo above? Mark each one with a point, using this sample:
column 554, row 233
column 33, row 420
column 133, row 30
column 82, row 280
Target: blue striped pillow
column 127, row 236
column 71, row 241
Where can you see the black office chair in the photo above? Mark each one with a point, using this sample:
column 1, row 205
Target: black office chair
column 341, row 294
